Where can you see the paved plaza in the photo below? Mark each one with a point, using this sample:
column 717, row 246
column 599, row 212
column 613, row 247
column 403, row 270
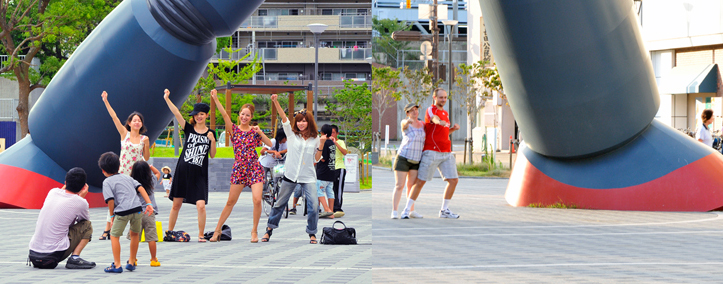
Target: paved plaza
column 287, row 258
column 493, row 242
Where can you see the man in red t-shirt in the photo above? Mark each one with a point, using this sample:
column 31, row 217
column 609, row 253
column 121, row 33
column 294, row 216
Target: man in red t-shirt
column 437, row 153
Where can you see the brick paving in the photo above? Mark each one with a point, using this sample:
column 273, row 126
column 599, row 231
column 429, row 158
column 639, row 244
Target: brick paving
column 287, row 258
column 493, row 242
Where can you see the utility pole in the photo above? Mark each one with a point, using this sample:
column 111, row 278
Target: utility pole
column 435, row 42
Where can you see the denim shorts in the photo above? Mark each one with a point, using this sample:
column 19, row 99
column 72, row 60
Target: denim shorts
column 327, row 187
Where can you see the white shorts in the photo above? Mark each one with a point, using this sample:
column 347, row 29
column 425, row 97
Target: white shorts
column 444, row 161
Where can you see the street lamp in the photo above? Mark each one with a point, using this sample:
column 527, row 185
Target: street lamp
column 317, row 29
column 450, row 24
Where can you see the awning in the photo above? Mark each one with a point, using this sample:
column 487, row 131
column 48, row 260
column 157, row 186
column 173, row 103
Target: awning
column 690, row 79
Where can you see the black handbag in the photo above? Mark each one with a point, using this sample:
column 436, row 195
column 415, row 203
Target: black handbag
column 225, row 234
column 334, row 236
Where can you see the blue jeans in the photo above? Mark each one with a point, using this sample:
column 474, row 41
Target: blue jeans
column 312, row 202
column 325, row 188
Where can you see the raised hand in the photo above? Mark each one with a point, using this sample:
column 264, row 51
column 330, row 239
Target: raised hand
column 211, row 137
column 104, row 95
column 213, row 93
column 274, row 98
column 166, row 93
column 256, row 129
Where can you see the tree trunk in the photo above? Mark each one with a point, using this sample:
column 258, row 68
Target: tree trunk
column 22, row 74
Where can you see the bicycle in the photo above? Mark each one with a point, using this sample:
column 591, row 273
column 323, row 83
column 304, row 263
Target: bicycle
column 272, row 184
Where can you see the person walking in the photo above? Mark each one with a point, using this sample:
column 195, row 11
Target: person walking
column 702, row 132
column 339, row 151
column 437, row 153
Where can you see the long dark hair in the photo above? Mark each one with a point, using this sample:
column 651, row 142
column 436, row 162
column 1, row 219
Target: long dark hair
column 141, row 172
column 280, row 135
column 130, row 118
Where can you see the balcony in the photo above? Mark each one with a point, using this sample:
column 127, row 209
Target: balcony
column 302, row 55
column 299, row 23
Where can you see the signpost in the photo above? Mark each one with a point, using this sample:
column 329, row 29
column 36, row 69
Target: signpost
column 352, row 183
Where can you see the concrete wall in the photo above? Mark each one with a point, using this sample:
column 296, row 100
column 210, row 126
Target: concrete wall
column 219, row 171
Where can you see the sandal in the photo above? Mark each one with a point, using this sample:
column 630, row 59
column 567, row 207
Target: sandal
column 252, row 237
column 201, row 239
column 218, row 237
column 113, row 269
column 105, row 235
column 267, row 236
column 312, row 241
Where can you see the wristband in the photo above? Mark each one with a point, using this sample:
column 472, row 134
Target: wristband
column 151, row 204
column 319, row 149
column 112, row 215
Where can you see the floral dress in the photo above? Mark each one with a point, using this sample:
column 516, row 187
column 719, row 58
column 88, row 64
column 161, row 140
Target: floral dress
column 130, row 153
column 246, row 170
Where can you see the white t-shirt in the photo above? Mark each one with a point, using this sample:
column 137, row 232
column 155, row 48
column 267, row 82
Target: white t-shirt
column 268, row 160
column 703, row 133
column 60, row 211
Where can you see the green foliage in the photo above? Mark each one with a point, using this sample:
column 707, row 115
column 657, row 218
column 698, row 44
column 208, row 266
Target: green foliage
column 222, row 43
column 225, row 72
column 385, row 89
column 351, row 113
column 384, row 43
column 419, row 86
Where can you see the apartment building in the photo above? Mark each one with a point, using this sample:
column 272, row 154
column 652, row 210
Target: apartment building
column 278, row 33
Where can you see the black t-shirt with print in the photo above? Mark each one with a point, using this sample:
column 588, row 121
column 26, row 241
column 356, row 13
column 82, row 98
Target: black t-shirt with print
column 323, row 171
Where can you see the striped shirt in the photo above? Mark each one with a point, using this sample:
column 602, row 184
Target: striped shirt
column 60, row 211
column 412, row 143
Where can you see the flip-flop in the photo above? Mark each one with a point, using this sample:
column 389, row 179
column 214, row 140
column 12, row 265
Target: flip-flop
column 201, row 240
column 314, row 241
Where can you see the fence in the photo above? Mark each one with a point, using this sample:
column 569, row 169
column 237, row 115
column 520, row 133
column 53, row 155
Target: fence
column 8, row 109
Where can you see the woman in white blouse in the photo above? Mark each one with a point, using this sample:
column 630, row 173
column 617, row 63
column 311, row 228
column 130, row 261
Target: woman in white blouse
column 303, row 152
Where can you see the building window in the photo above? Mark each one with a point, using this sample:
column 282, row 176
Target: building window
column 263, row 12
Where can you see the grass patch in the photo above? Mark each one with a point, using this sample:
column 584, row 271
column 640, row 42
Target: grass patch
column 482, row 170
column 366, row 183
column 167, row 152
column 470, row 170
column 558, row 205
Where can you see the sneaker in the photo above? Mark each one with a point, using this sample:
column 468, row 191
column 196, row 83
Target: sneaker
column 395, row 215
column 447, row 214
column 78, row 263
column 131, row 267
column 414, row 214
column 292, row 211
column 338, row 214
column 405, row 214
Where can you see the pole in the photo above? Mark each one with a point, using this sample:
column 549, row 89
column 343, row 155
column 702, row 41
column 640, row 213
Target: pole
column 316, row 73
column 449, row 73
column 435, row 41
column 176, row 138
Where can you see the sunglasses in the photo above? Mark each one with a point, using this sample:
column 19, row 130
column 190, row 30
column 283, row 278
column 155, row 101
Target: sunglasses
column 302, row 112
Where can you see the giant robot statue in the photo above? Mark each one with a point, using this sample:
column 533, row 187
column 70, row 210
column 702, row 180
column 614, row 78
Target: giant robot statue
column 581, row 86
column 140, row 49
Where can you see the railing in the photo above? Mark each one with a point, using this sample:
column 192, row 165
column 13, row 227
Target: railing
column 8, row 109
column 364, row 21
column 5, row 58
column 264, row 54
column 261, row 22
column 355, row 54
column 404, row 58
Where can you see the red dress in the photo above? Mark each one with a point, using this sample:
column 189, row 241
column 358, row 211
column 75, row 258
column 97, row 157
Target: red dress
column 246, row 170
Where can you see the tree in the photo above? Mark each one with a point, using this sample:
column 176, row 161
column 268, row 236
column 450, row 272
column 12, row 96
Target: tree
column 419, row 84
column 47, row 30
column 351, row 113
column 385, row 91
column 475, row 84
column 222, row 73
column 384, row 44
